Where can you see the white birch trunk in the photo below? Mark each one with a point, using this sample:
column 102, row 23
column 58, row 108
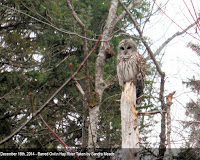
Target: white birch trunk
column 100, row 84
column 93, row 119
column 129, row 121
column 99, row 81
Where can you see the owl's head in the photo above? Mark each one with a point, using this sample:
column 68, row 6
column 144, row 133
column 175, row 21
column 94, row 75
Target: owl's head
column 127, row 47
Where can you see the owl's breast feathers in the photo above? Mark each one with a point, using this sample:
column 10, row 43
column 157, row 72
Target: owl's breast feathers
column 132, row 68
column 135, row 59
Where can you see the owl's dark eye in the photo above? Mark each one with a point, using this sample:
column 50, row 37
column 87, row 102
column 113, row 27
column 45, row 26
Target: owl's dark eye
column 122, row 48
column 129, row 47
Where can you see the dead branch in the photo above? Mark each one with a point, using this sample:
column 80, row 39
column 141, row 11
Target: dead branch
column 169, row 98
column 129, row 122
column 198, row 122
column 79, row 87
column 75, row 15
column 152, row 112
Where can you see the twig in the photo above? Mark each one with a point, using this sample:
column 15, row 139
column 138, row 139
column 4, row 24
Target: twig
column 57, row 136
column 12, row 91
column 53, row 132
column 51, row 98
column 124, row 12
column 198, row 122
column 171, row 38
column 75, row 15
column 126, row 34
column 153, row 112
column 79, row 87
column 31, row 102
column 141, row 96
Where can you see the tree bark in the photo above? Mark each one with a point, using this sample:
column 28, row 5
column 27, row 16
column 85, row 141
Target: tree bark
column 100, row 85
column 86, row 68
column 129, row 121
column 162, row 146
column 169, row 103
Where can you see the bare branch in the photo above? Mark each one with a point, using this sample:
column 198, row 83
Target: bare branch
column 57, row 64
column 79, row 87
column 152, row 112
column 75, row 15
column 107, row 35
column 171, row 38
column 34, row 11
column 52, row 25
column 124, row 12
column 57, row 136
column 198, row 122
column 86, row 69
column 126, row 34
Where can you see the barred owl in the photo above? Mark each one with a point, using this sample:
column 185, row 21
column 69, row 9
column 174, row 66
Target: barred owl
column 130, row 66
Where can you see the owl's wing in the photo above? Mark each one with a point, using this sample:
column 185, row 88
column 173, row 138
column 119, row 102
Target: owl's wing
column 141, row 63
column 140, row 76
column 119, row 74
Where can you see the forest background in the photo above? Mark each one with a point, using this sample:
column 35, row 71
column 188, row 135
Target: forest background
column 44, row 42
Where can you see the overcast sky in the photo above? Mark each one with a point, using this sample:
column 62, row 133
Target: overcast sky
column 178, row 60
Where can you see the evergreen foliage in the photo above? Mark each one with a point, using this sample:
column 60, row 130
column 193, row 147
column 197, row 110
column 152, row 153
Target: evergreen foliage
column 34, row 63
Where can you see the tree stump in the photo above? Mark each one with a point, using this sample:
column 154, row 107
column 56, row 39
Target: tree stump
column 129, row 122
